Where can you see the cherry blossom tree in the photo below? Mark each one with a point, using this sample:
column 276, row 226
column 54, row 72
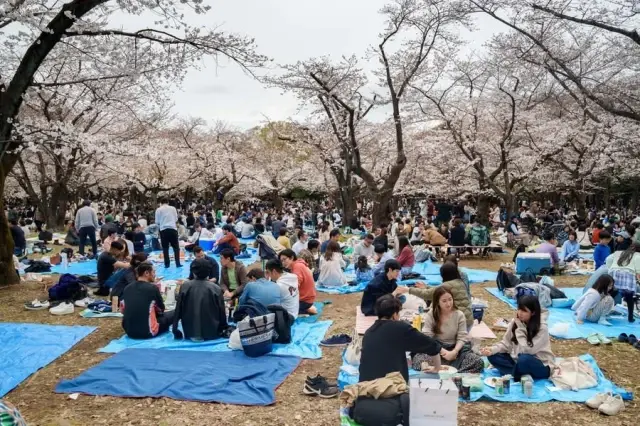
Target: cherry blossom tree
column 35, row 34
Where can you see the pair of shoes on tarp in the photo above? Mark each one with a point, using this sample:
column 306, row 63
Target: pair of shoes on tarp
column 630, row 339
column 606, row 403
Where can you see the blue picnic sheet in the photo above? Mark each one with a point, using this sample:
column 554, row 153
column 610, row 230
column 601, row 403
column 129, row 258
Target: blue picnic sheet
column 26, row 348
column 224, row 377
column 429, row 270
column 578, row 331
column 305, row 342
column 541, row 391
column 90, row 267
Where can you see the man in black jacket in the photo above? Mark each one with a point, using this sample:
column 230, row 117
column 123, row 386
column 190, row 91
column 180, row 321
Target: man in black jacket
column 200, row 306
column 380, row 285
column 213, row 271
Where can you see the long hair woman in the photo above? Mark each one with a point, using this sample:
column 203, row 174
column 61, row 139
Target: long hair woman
column 331, row 266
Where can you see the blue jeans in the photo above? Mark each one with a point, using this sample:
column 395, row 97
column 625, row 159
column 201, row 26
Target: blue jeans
column 221, row 247
column 526, row 364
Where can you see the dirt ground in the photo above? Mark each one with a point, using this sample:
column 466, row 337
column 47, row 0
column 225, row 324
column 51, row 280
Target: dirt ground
column 41, row 406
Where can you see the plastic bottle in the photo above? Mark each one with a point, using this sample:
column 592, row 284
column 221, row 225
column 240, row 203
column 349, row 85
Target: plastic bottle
column 65, row 261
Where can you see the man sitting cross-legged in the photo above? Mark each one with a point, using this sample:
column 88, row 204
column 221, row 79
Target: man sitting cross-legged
column 200, row 306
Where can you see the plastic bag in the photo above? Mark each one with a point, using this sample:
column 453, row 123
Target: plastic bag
column 560, row 329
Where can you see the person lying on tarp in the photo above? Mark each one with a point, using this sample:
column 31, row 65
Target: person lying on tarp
column 142, row 306
column 200, row 306
column 380, row 285
column 384, row 348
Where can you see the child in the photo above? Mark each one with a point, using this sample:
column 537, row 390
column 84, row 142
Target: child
column 602, row 250
column 364, row 272
column 596, row 303
column 525, row 347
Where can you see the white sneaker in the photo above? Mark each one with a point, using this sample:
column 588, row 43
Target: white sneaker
column 36, row 305
column 62, row 309
column 597, row 400
column 612, row 406
column 83, row 303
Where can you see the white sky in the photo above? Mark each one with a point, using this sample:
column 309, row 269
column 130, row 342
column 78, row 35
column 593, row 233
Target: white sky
column 286, row 31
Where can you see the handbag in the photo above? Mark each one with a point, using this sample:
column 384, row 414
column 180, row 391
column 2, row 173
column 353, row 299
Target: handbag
column 256, row 335
column 433, row 402
column 352, row 353
column 574, row 374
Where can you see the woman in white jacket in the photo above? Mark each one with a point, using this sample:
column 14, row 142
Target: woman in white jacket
column 596, row 303
column 331, row 265
column 525, row 347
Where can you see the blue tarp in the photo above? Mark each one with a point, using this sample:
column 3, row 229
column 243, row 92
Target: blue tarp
column 26, row 348
column 90, row 267
column 428, row 269
column 578, row 331
column 224, row 377
column 541, row 392
column 306, row 338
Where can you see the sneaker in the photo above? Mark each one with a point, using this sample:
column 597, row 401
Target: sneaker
column 83, row 303
column 62, row 309
column 603, row 339
column 612, row 406
column 36, row 305
column 597, row 400
column 312, row 381
column 337, row 340
column 320, row 388
column 501, row 323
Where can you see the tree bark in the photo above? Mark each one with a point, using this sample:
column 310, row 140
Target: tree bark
column 7, row 271
column 482, row 212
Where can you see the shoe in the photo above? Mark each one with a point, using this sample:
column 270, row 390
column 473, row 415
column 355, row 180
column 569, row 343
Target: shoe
column 623, row 338
column 62, row 309
column 321, row 388
column 612, row 406
column 603, row 321
column 312, row 381
column 36, row 305
column 632, row 339
column 501, row 323
column 593, row 339
column 597, row 400
column 102, row 291
column 337, row 340
column 603, row 339
column 83, row 303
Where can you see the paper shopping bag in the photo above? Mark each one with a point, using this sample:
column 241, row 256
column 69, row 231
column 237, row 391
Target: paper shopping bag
column 433, row 402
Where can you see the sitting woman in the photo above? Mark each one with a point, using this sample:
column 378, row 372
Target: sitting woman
column 72, row 238
column 525, row 347
column 127, row 278
column 450, row 280
column 570, row 248
column 331, row 265
column 624, row 268
column 597, row 302
column 384, row 348
column 463, row 275
column 406, row 258
column 448, row 326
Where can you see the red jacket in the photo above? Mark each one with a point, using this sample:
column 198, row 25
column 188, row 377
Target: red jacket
column 406, row 257
column 232, row 240
column 306, row 284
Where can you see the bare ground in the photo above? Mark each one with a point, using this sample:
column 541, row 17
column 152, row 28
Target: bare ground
column 41, row 406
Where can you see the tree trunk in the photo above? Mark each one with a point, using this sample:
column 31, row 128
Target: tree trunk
column 482, row 212
column 348, row 204
column 7, row 271
column 382, row 208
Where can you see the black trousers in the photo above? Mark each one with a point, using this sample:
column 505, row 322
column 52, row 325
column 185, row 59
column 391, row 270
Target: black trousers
column 382, row 412
column 165, row 321
column 169, row 237
column 88, row 232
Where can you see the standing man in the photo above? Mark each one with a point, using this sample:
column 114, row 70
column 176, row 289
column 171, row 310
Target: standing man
column 166, row 219
column 86, row 225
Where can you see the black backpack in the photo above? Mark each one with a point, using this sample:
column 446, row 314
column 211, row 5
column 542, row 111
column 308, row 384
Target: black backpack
column 506, row 280
column 283, row 323
column 45, row 236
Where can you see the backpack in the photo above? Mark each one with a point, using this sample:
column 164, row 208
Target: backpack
column 38, row 266
column 45, row 236
column 506, row 280
column 283, row 323
column 525, row 291
column 67, row 288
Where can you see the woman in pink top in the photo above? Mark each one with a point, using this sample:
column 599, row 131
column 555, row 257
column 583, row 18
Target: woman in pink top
column 406, row 259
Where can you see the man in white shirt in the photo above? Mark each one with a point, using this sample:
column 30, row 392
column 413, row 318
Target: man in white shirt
column 301, row 244
column 288, row 283
column 364, row 248
column 246, row 230
column 166, row 219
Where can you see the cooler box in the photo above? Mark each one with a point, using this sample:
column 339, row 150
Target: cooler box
column 533, row 262
column 207, row 245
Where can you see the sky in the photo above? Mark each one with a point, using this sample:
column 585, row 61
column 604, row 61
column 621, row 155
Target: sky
column 286, row 31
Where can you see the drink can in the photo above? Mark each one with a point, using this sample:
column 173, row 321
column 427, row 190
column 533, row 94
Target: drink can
column 466, row 392
column 499, row 388
column 506, row 384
